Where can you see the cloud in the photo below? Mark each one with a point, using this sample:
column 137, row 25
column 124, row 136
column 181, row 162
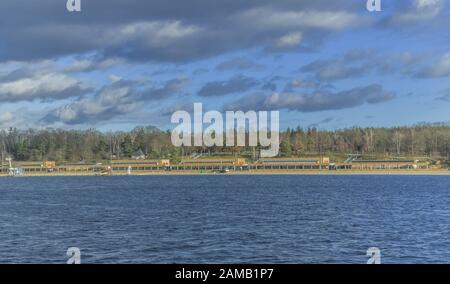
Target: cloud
column 167, row 111
column 445, row 96
column 6, row 117
column 405, row 63
column 169, row 88
column 162, row 39
column 324, row 70
column 420, row 10
column 239, row 64
column 359, row 54
column 323, row 121
column 22, row 86
column 168, row 41
column 295, row 84
column 236, row 84
column 165, row 31
column 355, row 63
column 93, row 64
column 109, row 102
column 290, row 40
column 119, row 98
column 16, row 118
column 316, row 101
column 361, row 62
column 266, row 18
column 439, row 69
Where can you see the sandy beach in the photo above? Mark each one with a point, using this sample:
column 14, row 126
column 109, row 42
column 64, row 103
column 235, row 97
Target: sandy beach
column 433, row 172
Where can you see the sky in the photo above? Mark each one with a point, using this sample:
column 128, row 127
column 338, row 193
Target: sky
column 120, row 64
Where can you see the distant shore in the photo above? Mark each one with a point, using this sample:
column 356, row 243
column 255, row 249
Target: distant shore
column 433, row 172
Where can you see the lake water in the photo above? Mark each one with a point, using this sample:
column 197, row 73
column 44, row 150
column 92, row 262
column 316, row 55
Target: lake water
column 225, row 219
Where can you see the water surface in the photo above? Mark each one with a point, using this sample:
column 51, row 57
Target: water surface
column 225, row 219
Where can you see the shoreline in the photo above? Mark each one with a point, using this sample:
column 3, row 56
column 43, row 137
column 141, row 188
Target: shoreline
column 248, row 173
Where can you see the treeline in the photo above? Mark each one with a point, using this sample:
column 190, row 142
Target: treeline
column 87, row 145
column 92, row 145
column 431, row 140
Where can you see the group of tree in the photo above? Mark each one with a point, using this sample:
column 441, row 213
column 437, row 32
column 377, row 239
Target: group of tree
column 92, row 145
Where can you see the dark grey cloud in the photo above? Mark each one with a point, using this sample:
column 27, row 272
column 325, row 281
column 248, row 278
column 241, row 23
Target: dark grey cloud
column 269, row 86
column 355, row 63
column 271, row 83
column 167, row 111
column 236, row 84
column 296, row 84
column 359, row 55
column 359, row 63
column 177, row 30
column 327, row 120
column 445, row 96
column 239, row 64
column 424, row 65
column 254, row 101
column 169, row 88
column 161, row 30
column 323, row 121
column 200, row 71
column 316, row 101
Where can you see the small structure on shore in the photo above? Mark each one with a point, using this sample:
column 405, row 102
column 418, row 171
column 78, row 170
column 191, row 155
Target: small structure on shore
column 13, row 172
column 106, row 172
column 138, row 155
column 49, row 166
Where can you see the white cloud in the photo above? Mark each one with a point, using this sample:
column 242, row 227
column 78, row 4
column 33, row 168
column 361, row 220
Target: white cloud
column 424, row 4
column 16, row 118
column 270, row 19
column 41, row 86
column 83, row 65
column 155, row 33
column 6, row 117
column 290, row 40
column 422, row 10
column 439, row 69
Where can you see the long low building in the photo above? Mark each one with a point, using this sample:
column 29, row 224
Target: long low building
column 388, row 164
column 214, row 164
column 117, row 165
column 140, row 165
column 211, row 164
column 31, row 166
column 292, row 163
column 200, row 164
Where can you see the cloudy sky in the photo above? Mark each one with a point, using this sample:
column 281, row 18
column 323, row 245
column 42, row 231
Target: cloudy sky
column 121, row 63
